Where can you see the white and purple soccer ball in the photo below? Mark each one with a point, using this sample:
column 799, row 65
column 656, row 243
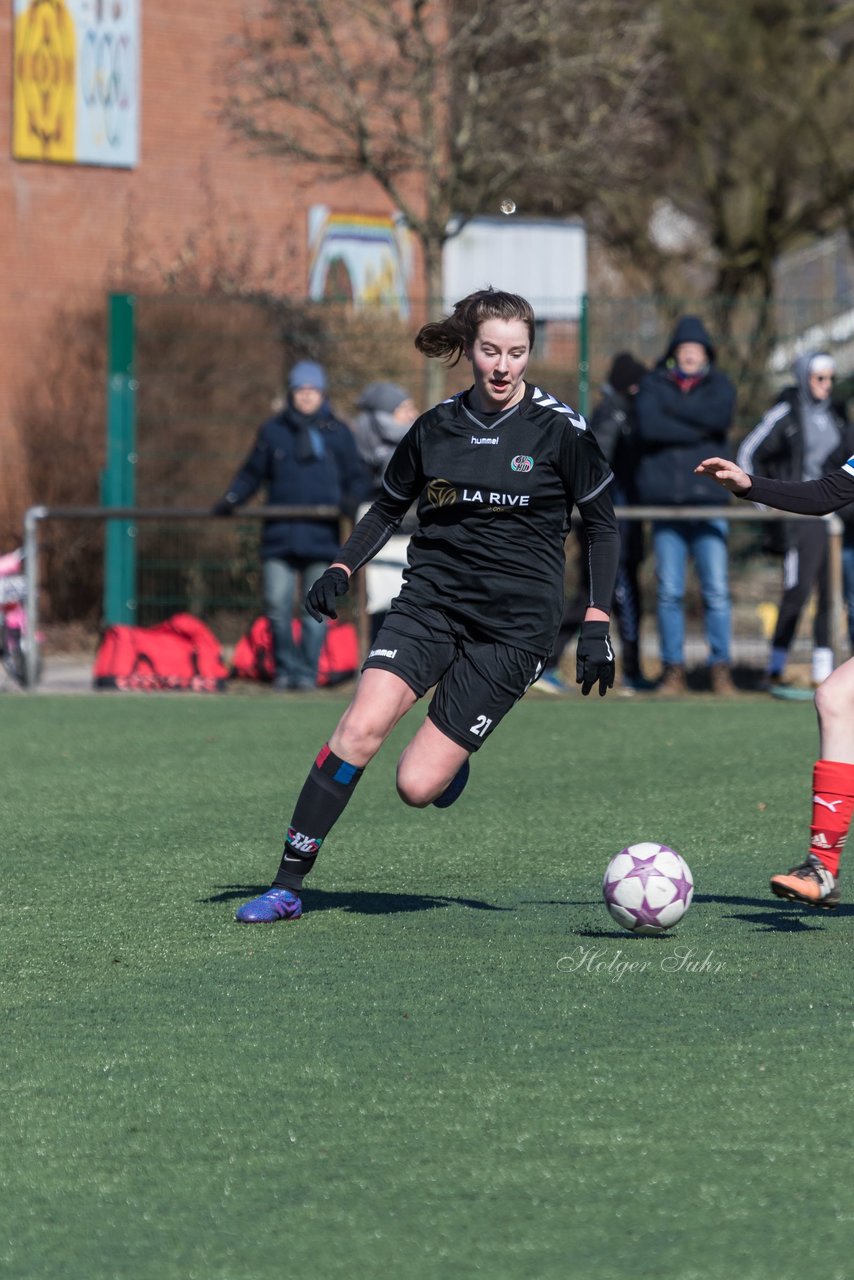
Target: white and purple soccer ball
column 648, row 888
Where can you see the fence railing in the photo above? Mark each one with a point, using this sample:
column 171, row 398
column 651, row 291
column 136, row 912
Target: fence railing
column 37, row 515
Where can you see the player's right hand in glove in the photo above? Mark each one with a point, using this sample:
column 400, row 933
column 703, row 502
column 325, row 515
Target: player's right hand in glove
column 223, row 508
column 320, row 601
column 594, row 659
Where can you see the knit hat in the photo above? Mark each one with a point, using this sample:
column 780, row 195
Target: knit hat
column 307, row 373
column 626, row 372
column 383, row 397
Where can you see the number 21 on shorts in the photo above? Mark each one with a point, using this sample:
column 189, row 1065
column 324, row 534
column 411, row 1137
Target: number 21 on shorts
column 480, row 728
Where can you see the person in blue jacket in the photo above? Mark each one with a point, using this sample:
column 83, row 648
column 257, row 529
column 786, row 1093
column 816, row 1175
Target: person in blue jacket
column 685, row 409
column 306, row 457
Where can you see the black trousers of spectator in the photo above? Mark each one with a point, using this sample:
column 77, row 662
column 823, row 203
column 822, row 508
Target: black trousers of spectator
column 805, row 567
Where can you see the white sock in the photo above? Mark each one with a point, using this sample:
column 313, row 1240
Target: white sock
column 822, row 664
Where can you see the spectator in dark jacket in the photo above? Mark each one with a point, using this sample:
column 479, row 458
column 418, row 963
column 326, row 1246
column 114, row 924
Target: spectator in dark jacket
column 685, row 410
column 386, row 412
column 306, row 457
column 803, row 436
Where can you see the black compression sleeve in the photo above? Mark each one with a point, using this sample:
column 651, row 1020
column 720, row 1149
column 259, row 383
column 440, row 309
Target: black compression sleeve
column 373, row 531
column 600, row 525
column 806, row 497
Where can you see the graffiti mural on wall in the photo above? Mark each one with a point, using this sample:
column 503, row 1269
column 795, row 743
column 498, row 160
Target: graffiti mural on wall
column 359, row 258
column 76, row 73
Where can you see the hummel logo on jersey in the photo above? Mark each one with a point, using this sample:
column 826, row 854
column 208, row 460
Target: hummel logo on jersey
column 828, row 804
column 485, row 439
column 383, row 653
column 546, row 401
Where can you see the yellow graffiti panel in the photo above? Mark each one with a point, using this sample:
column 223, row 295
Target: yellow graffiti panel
column 45, row 58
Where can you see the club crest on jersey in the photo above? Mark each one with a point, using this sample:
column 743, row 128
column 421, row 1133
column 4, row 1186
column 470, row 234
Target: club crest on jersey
column 441, row 493
column 522, row 462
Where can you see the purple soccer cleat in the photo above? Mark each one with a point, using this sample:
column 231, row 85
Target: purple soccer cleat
column 275, row 904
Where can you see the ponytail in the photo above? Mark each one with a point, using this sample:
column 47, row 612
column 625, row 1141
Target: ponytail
column 447, row 339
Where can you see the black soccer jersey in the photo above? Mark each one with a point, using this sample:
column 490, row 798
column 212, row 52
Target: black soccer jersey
column 806, row 497
column 494, row 503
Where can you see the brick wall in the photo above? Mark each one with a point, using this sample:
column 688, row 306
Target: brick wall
column 70, row 233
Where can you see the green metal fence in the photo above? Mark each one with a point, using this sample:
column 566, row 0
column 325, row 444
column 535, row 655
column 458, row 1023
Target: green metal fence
column 187, row 579
column 191, row 379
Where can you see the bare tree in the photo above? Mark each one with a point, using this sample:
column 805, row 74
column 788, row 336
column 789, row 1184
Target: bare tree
column 449, row 105
column 755, row 152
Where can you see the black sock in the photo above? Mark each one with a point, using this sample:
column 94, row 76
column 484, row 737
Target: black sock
column 323, row 799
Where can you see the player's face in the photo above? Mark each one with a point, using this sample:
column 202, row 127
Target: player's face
column 499, row 357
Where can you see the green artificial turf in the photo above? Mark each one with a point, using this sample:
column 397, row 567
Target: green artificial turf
column 455, row 1064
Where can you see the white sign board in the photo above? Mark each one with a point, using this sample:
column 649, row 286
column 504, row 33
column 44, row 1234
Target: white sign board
column 544, row 260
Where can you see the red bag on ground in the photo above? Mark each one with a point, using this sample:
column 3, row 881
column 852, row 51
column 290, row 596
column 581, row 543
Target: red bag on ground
column 339, row 657
column 253, row 654
column 180, row 653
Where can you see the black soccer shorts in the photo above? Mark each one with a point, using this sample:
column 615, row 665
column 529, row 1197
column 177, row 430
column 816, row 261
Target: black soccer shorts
column 476, row 681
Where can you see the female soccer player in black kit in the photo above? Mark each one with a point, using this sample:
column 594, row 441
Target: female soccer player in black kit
column 495, row 471
column 815, row 881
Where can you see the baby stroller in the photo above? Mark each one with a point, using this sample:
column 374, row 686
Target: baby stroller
column 14, row 630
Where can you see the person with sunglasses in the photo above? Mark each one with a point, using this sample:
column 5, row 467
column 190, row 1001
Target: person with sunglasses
column 803, row 436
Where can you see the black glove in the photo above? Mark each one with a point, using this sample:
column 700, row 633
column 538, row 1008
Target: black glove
column 320, row 601
column 594, row 658
column 222, row 508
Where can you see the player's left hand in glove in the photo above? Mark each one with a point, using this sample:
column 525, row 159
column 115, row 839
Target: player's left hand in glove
column 320, row 601
column 594, row 660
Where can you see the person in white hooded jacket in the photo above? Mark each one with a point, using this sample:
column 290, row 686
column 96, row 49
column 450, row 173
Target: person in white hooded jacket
column 803, row 436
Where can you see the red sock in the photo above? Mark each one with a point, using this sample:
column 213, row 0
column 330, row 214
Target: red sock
column 832, row 810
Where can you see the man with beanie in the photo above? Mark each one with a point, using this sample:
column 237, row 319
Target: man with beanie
column 386, row 412
column 305, row 456
column 802, row 437
column 685, row 408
